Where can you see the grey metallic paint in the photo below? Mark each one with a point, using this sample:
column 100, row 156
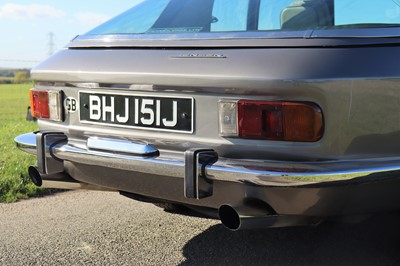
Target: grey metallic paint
column 339, row 80
column 354, row 80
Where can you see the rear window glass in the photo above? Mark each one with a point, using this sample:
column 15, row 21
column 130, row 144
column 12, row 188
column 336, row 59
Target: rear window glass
column 367, row 12
column 208, row 16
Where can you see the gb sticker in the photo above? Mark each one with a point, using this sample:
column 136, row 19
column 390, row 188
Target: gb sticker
column 71, row 104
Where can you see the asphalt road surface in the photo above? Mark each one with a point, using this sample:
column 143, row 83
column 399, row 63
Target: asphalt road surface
column 103, row 228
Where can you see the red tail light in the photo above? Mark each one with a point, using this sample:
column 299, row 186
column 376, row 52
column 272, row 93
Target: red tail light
column 40, row 104
column 46, row 104
column 285, row 121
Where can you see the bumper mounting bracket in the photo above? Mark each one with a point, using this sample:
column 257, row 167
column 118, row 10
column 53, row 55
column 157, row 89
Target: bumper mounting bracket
column 197, row 185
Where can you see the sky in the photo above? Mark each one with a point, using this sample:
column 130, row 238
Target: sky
column 25, row 26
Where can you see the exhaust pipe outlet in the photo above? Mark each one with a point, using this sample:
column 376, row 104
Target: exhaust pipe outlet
column 60, row 181
column 35, row 176
column 238, row 218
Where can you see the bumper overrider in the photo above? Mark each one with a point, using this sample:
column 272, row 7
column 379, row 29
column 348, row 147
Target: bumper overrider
column 247, row 193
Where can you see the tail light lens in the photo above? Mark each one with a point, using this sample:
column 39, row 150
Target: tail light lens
column 46, row 104
column 285, row 121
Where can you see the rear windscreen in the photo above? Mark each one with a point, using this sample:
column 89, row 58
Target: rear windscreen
column 206, row 16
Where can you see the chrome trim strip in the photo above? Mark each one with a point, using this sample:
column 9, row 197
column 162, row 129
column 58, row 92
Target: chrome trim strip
column 119, row 145
column 378, row 32
column 263, row 173
column 192, row 36
column 307, row 38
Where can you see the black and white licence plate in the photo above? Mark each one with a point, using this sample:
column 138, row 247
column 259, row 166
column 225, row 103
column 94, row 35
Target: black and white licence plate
column 137, row 111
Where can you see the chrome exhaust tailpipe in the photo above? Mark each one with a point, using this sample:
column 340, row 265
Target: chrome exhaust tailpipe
column 35, row 176
column 60, row 181
column 238, row 218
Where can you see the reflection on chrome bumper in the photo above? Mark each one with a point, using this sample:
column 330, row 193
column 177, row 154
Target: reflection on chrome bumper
column 257, row 172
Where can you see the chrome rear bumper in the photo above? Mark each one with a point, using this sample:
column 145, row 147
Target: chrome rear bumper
column 292, row 192
column 130, row 156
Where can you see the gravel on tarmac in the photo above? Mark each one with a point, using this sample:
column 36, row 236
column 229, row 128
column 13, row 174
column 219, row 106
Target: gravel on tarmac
column 104, row 228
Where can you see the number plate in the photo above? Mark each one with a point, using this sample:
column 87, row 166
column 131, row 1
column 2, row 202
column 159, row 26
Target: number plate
column 137, row 111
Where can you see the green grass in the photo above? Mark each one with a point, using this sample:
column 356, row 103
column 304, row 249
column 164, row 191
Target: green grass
column 14, row 180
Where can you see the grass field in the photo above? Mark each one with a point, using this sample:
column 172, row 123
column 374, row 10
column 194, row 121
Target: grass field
column 14, row 181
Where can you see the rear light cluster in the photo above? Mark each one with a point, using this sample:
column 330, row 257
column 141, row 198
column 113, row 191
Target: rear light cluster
column 46, row 104
column 284, row 121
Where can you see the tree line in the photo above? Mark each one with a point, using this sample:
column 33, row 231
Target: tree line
column 8, row 76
